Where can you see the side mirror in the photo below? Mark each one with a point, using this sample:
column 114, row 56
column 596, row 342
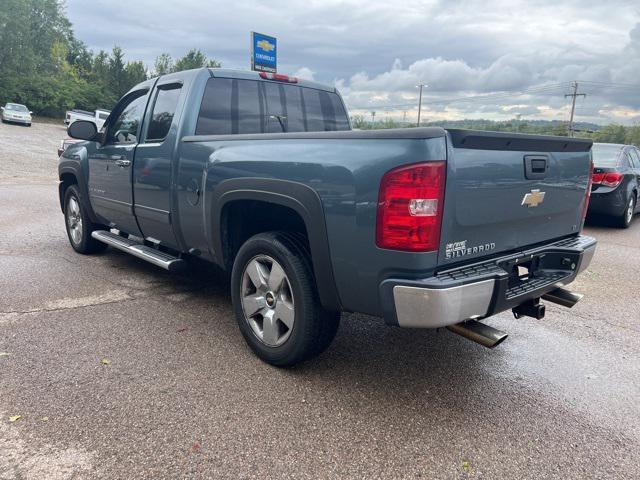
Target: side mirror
column 2, row 108
column 82, row 130
column 30, row 112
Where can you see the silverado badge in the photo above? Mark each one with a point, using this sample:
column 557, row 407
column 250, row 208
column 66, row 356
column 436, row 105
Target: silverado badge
column 533, row 199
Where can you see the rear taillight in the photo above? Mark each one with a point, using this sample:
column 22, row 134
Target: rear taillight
column 610, row 179
column 588, row 193
column 278, row 77
column 410, row 205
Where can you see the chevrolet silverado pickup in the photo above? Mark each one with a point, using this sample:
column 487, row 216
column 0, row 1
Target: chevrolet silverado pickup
column 262, row 175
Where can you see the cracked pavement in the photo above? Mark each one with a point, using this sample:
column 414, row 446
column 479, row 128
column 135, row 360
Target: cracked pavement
column 119, row 369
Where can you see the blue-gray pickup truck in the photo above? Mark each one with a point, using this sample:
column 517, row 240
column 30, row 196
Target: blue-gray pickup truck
column 262, row 175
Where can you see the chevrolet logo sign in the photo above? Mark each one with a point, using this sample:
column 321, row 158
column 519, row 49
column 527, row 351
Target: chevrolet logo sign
column 533, row 199
column 266, row 45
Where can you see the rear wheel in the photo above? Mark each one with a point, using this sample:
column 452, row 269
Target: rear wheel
column 625, row 219
column 78, row 224
column 276, row 302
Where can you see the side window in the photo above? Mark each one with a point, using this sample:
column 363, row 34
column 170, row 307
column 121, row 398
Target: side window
column 231, row 106
column 164, row 108
column 124, row 129
column 629, row 159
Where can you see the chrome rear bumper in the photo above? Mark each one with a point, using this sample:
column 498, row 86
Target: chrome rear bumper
column 484, row 289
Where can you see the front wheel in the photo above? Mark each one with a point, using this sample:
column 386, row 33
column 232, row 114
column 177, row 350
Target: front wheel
column 275, row 300
column 78, row 223
column 625, row 220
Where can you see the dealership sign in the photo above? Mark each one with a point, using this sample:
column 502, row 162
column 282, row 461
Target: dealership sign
column 263, row 53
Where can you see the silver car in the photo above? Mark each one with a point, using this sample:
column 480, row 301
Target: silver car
column 16, row 113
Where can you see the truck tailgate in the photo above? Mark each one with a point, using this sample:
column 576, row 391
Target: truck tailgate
column 505, row 192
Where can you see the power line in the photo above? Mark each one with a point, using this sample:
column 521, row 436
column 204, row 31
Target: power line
column 611, row 84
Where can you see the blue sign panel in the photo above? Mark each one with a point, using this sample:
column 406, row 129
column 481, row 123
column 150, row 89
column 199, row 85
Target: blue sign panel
column 263, row 53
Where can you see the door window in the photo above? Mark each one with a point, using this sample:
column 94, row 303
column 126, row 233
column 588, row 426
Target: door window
column 124, row 129
column 164, row 109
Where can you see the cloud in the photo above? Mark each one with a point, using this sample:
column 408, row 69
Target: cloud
column 376, row 51
column 304, row 73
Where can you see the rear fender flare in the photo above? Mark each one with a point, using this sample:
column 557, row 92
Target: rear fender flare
column 297, row 196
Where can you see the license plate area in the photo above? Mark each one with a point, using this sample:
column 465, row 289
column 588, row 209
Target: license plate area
column 534, row 272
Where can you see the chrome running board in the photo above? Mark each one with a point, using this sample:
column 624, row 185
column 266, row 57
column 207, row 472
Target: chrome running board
column 151, row 255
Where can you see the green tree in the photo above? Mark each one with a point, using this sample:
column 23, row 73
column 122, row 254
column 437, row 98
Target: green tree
column 633, row 135
column 611, row 134
column 194, row 59
column 163, row 64
column 135, row 73
column 117, row 73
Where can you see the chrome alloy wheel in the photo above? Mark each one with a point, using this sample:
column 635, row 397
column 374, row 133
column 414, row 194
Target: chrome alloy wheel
column 267, row 300
column 74, row 220
column 629, row 212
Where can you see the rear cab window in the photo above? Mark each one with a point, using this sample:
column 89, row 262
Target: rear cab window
column 606, row 156
column 236, row 106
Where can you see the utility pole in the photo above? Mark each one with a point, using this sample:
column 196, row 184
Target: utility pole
column 373, row 118
column 404, row 116
column 573, row 104
column 420, row 86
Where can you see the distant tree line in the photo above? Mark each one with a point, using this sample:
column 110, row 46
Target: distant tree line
column 612, row 133
column 45, row 67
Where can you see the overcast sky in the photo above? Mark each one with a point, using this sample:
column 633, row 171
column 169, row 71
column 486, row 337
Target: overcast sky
column 469, row 53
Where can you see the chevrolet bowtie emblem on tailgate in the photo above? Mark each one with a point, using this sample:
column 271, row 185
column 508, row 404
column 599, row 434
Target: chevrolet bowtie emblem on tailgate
column 533, row 199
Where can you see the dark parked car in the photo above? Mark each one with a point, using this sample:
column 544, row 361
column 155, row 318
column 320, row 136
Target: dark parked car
column 616, row 176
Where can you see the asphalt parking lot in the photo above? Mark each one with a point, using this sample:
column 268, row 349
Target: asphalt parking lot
column 118, row 369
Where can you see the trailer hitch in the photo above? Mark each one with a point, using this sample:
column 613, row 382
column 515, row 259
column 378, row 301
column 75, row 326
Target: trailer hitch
column 530, row 308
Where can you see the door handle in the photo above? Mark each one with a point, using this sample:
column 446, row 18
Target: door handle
column 123, row 163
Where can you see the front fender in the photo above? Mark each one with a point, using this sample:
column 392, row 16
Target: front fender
column 74, row 162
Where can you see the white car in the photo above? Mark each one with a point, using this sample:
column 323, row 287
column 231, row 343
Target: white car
column 98, row 117
column 16, row 113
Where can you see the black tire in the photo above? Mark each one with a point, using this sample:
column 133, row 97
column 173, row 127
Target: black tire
column 314, row 327
column 624, row 220
column 85, row 244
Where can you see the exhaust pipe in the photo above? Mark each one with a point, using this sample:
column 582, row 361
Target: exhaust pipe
column 563, row 297
column 479, row 332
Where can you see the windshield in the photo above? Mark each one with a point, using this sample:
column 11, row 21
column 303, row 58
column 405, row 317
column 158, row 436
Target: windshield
column 606, row 156
column 16, row 107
